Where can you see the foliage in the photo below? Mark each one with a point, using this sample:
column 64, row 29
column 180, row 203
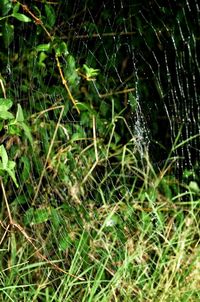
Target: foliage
column 94, row 220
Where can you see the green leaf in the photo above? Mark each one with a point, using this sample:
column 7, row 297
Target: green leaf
column 40, row 215
column 55, row 218
column 7, row 165
column 42, row 57
column 5, row 7
column 8, row 34
column 85, row 107
column 14, row 129
column 61, row 49
column 16, row 8
column 37, row 216
column 91, row 73
column 4, row 156
column 28, row 217
column 19, row 115
column 11, row 165
column 5, row 115
column 21, row 17
column 43, row 47
column 5, row 104
column 194, row 187
column 27, row 132
column 51, row 16
column 21, row 199
column 12, row 175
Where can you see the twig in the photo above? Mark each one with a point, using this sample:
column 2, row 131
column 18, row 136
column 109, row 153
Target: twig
column 6, row 231
column 38, row 21
column 65, row 84
column 116, row 92
column 3, row 88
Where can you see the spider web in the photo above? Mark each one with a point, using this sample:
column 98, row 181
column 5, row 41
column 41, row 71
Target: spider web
column 148, row 48
column 153, row 48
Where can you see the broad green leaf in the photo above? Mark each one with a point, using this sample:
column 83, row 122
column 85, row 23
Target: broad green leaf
column 5, row 115
column 43, row 47
column 8, row 34
column 4, row 156
column 19, row 115
column 51, row 16
column 5, row 104
column 21, row 17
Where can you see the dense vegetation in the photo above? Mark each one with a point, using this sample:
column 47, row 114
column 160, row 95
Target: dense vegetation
column 91, row 209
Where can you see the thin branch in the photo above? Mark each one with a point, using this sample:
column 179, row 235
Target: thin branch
column 116, row 92
column 3, row 88
column 65, row 84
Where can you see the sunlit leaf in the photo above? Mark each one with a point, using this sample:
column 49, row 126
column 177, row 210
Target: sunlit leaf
column 21, row 17
column 194, row 187
column 19, row 115
column 43, row 47
column 5, row 115
column 4, row 156
column 5, row 104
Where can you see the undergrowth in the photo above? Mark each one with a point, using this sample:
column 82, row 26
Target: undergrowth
column 85, row 214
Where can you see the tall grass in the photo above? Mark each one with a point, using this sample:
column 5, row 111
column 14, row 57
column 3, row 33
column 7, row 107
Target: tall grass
column 123, row 234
